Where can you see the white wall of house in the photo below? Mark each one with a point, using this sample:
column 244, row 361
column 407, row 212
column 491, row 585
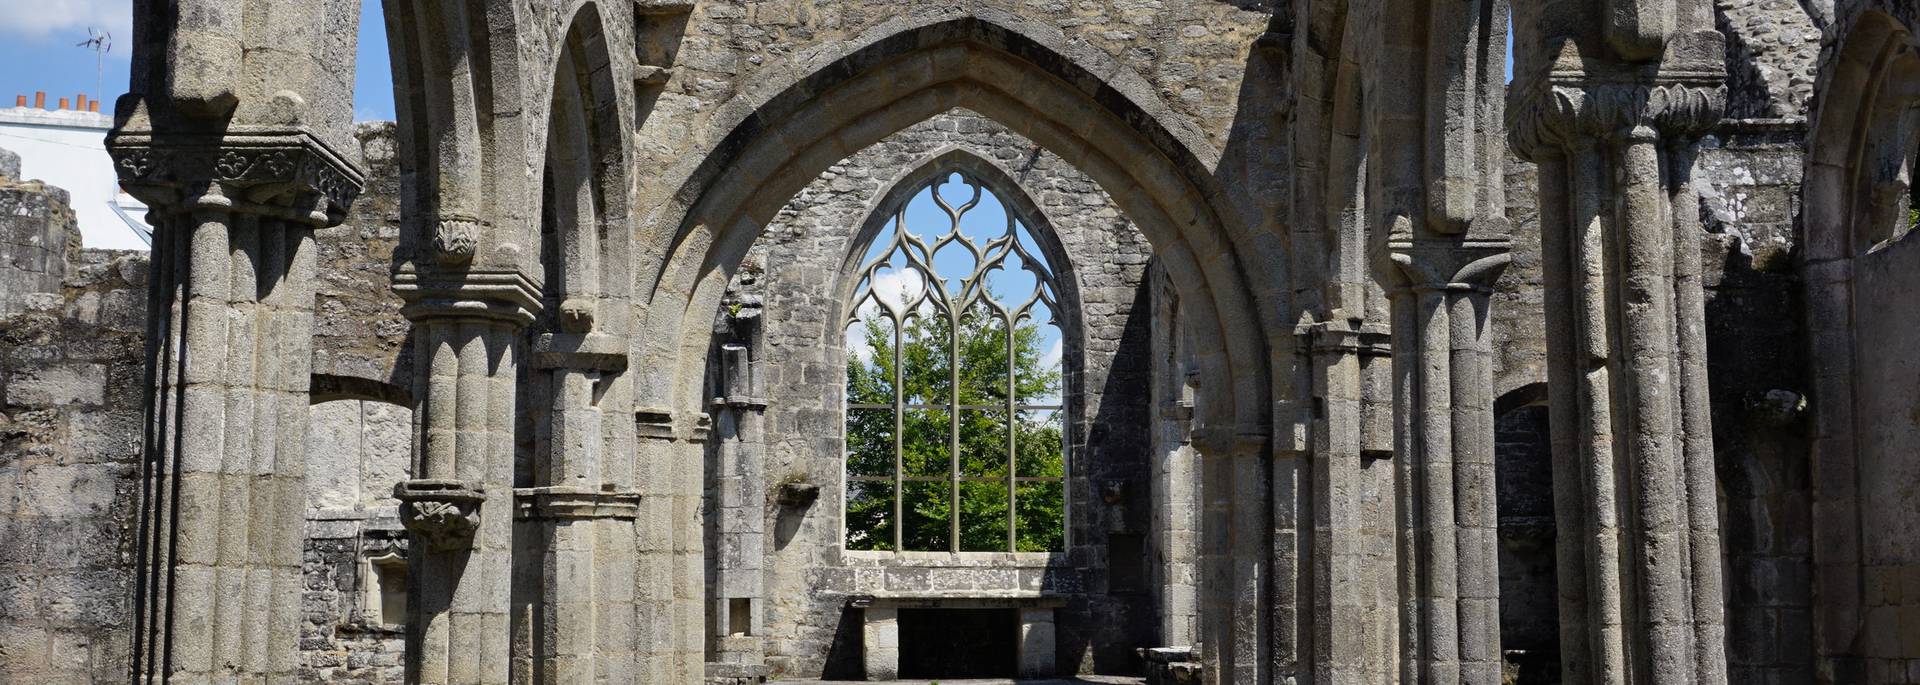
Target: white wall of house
column 67, row 148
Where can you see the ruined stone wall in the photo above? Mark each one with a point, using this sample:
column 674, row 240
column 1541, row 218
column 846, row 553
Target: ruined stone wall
column 357, row 451
column 794, row 270
column 1772, row 49
column 1757, row 376
column 71, row 367
column 37, row 237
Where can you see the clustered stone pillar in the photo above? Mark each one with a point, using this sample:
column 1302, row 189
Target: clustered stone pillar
column 1612, row 120
column 459, row 506
column 1443, row 363
column 230, row 333
column 237, row 172
column 580, row 517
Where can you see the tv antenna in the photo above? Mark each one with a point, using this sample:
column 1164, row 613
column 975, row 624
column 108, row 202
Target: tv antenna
column 101, row 43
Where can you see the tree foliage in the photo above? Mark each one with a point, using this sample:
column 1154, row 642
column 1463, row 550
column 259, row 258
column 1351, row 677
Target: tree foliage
column 927, row 379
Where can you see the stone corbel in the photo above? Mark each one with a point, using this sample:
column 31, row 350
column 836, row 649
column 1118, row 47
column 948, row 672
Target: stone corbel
column 655, row 423
column 444, row 513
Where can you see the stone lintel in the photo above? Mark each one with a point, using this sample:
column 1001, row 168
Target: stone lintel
column 582, row 352
column 660, row 423
column 258, row 169
column 740, row 402
column 957, row 599
column 574, row 503
column 662, row 6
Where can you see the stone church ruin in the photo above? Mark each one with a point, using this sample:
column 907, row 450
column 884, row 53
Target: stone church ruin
column 1165, row 341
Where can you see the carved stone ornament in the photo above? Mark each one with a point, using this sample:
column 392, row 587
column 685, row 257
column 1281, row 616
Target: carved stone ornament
column 444, row 513
column 456, row 238
column 1575, row 101
column 576, row 315
column 265, row 164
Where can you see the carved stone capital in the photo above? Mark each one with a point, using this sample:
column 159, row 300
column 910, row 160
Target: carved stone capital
column 1470, row 267
column 286, row 173
column 436, row 294
column 574, row 503
column 1581, row 101
column 444, row 513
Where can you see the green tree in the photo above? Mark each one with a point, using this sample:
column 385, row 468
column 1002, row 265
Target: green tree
column 927, row 374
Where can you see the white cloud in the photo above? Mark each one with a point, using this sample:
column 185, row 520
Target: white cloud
column 35, row 19
column 1051, row 358
column 895, row 288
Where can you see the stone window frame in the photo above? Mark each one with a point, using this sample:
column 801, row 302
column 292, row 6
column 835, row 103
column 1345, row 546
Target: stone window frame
column 375, row 570
column 991, row 177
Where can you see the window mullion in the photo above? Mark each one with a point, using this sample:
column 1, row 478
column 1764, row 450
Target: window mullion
column 1013, row 519
column 953, row 424
column 899, row 437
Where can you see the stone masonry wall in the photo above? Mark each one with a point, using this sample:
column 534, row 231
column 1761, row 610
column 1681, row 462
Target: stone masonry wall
column 1750, row 173
column 1773, row 47
column 795, row 267
column 71, row 366
column 360, row 341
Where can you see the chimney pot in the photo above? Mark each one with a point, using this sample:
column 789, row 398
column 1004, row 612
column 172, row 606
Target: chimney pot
column 19, row 100
column 63, row 104
column 39, row 99
column 94, row 106
column 80, row 102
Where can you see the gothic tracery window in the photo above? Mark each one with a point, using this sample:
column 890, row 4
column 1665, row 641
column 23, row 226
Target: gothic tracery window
column 955, row 413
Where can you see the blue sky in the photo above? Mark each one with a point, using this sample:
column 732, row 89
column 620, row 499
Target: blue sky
column 43, row 34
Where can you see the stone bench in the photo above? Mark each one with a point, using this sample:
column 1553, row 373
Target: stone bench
column 880, row 633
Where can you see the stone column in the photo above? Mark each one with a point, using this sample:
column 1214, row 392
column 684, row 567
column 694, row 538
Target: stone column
column 579, row 517
column 880, row 642
column 1349, row 358
column 237, row 169
column 459, row 505
column 670, row 581
column 1449, row 577
column 735, row 600
column 230, row 339
column 1611, row 120
column 1036, row 647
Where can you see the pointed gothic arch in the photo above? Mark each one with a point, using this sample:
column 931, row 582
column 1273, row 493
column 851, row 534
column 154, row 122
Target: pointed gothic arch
column 781, row 132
